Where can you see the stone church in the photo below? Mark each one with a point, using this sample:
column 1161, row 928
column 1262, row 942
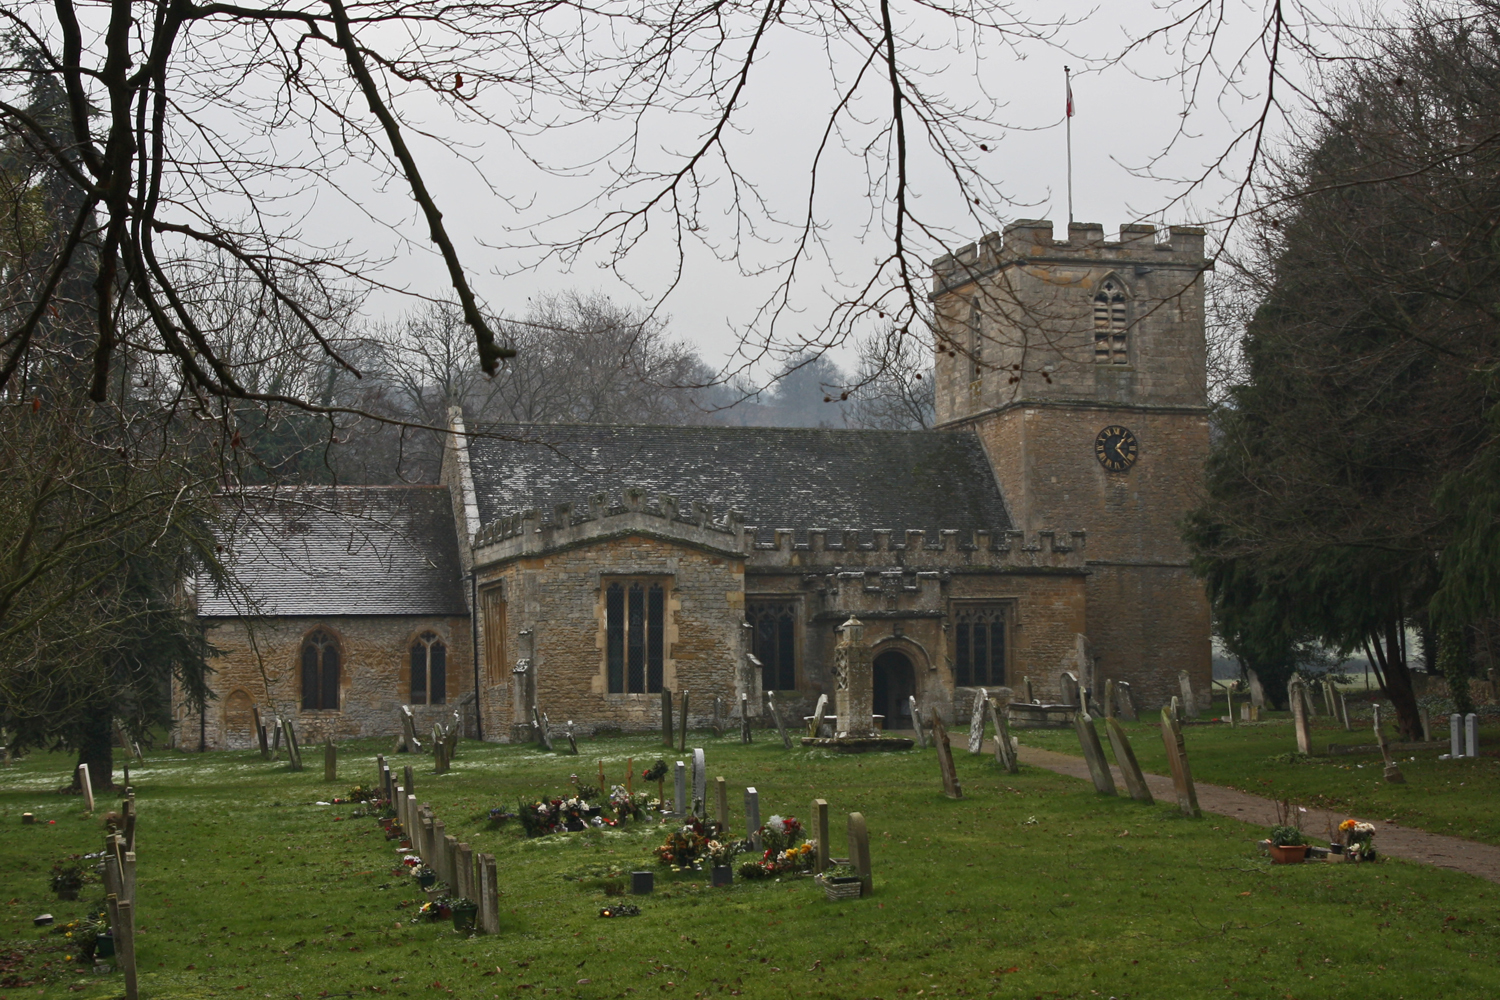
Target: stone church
column 580, row 570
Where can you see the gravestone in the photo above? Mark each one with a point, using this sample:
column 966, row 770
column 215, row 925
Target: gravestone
column 489, row 895
column 700, row 785
column 1026, row 684
column 1005, row 752
column 275, row 737
column 1093, row 754
column 406, row 781
column 976, row 722
column 916, row 722
column 1328, row 698
column 86, row 786
column 122, row 921
column 127, row 876
column 1069, row 685
column 951, row 787
column 572, row 740
column 682, row 748
column 293, row 749
column 439, row 838
column 1229, row 704
column 1245, row 711
column 718, row 723
column 1426, row 720
column 752, row 818
column 1176, row 707
column 1344, row 717
column 855, row 704
column 1126, row 701
column 409, row 742
column 1455, row 736
column 1177, row 759
column 1257, row 692
column 819, row 710
column 1297, row 700
column 449, row 851
column 786, row 741
column 859, row 852
column 543, row 727
column 680, row 790
column 260, row 731
column 1130, row 768
column 1471, row 735
column 1312, row 709
column 666, row 717
column 331, row 761
column 721, row 801
column 439, row 757
column 1109, row 698
column 744, row 717
column 465, row 873
column 1392, row 772
column 820, row 831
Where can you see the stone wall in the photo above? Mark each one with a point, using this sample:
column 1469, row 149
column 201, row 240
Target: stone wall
column 260, row 664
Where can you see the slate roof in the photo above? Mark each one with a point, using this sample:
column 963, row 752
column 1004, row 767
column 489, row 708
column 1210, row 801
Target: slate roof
column 776, row 477
column 345, row 550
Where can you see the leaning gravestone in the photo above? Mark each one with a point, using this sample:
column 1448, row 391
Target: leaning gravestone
column 1130, row 768
column 816, row 722
column 293, row 749
column 700, row 784
column 786, row 741
column 916, row 722
column 1026, row 683
column 1069, row 685
column 976, row 722
column 951, row 787
column 1182, row 774
column 542, row 727
column 1298, row 703
column 572, row 740
column 1392, row 771
column 1127, row 701
column 1093, row 754
column 86, row 786
column 1005, row 752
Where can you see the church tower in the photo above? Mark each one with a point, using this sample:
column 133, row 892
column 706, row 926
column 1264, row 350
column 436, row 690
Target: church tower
column 1081, row 364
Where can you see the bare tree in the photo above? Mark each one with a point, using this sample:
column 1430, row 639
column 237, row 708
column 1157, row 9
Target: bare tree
column 896, row 384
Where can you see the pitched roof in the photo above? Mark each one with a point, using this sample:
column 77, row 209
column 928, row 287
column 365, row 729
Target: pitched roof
column 776, row 477
column 341, row 550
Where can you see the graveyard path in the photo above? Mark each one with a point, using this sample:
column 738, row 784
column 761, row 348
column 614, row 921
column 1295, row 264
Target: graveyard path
column 1482, row 860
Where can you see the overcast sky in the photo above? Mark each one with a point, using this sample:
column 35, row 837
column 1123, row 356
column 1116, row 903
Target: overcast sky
column 497, row 203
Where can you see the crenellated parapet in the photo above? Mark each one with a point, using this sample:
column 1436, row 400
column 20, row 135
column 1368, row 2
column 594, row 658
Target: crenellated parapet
column 1030, row 241
column 568, row 524
column 888, row 551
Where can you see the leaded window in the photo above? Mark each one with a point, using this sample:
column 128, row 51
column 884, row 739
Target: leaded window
column 1111, row 318
column 979, row 646
column 429, row 670
column 320, row 671
column 635, row 630
column 774, row 638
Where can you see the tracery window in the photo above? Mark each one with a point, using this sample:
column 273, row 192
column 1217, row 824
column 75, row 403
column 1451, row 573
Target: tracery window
column 774, row 642
column 635, row 635
column 429, row 670
column 1111, row 319
column 320, row 671
column 979, row 645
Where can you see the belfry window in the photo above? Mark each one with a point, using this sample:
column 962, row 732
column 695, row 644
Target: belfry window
column 976, row 341
column 774, row 643
column 429, row 670
column 1111, row 317
column 320, row 671
column 635, row 635
column 979, row 646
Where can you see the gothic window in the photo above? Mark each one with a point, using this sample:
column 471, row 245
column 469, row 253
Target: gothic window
column 635, row 628
column 320, row 671
column 429, row 670
column 493, row 603
column 774, row 642
column 1111, row 316
column 979, row 646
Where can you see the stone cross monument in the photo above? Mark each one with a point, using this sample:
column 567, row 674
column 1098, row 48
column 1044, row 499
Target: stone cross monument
column 856, row 682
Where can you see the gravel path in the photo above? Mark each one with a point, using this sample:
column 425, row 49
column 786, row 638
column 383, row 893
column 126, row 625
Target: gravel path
column 1398, row 841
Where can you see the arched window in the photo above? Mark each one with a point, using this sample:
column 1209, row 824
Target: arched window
column 634, row 622
column 1111, row 317
column 775, row 642
column 429, row 670
column 320, row 671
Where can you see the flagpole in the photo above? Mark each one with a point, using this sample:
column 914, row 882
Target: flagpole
column 1068, row 86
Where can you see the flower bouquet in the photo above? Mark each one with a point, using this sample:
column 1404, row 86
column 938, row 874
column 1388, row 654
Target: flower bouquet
column 627, row 806
column 1358, row 840
column 780, row 833
column 685, row 847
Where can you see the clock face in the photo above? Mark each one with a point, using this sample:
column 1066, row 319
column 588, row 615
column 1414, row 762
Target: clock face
column 1116, row 448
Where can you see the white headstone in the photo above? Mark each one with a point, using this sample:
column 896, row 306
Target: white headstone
column 87, row 786
column 916, row 722
column 700, row 783
column 815, row 725
column 680, row 803
column 976, row 721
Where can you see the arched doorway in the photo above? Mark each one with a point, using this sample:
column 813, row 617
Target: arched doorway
column 895, row 683
column 239, row 722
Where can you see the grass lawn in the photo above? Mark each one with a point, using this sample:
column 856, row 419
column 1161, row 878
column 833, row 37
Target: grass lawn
column 1456, row 797
column 1032, row 886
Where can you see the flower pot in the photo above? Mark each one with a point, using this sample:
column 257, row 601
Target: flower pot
column 1291, row 854
column 104, row 946
column 723, row 874
column 463, row 917
column 426, row 881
